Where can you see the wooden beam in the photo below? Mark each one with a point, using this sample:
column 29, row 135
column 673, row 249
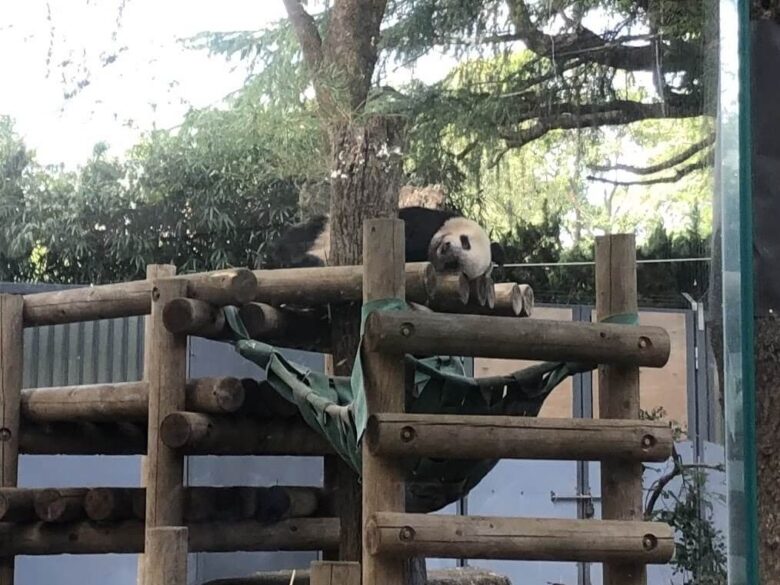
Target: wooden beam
column 192, row 317
column 383, row 484
column 82, row 438
column 192, row 433
column 334, row 573
column 170, row 544
column 460, row 576
column 505, row 338
column 16, row 505
column 529, row 539
column 59, row 505
column 334, row 284
column 511, row 437
column 621, row 481
column 210, row 504
column 128, row 299
column 124, row 401
column 165, row 372
column 452, row 293
column 11, row 364
column 128, row 537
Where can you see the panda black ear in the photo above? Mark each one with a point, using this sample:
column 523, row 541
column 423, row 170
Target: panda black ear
column 497, row 254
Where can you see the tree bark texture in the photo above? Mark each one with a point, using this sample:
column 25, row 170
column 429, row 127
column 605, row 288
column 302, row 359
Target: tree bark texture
column 767, row 348
column 365, row 175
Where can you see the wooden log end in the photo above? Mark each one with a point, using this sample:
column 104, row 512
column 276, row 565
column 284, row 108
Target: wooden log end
column 526, row 300
column 178, row 429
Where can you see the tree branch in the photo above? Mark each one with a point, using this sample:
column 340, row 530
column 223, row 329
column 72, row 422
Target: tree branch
column 676, row 55
column 307, row 33
column 677, row 470
column 617, row 112
column 682, row 172
column 662, row 166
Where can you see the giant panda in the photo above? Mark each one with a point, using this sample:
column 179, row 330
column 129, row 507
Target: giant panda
column 446, row 239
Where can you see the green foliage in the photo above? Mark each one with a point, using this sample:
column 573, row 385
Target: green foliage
column 211, row 194
column 659, row 284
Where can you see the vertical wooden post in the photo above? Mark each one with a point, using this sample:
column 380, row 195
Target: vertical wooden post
column 344, row 573
column 165, row 370
column 170, row 566
column 153, row 272
column 621, row 482
column 11, row 364
column 383, row 487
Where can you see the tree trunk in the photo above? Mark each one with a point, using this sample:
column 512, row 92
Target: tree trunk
column 365, row 183
column 767, row 348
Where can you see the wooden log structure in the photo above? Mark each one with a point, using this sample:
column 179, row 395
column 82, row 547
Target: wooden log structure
column 262, row 401
column 127, row 299
column 334, row 284
column 504, row 338
column 17, row 505
column 452, row 293
column 382, row 481
column 82, row 438
column 60, row 504
column 512, row 437
column 170, row 544
column 124, row 401
column 207, row 504
column 298, row 534
column 192, row 317
column 11, row 365
column 334, row 573
column 460, row 576
column 530, row 539
column 165, row 372
column 478, row 290
column 510, row 300
column 621, row 481
column 192, row 433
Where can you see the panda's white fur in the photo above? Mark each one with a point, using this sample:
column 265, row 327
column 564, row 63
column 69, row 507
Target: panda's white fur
column 448, row 249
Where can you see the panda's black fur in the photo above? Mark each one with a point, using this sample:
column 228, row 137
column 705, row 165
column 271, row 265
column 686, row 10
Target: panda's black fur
column 306, row 244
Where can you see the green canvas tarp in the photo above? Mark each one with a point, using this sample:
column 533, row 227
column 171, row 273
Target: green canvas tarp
column 335, row 406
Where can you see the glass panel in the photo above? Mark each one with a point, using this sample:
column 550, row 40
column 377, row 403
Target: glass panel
column 736, row 236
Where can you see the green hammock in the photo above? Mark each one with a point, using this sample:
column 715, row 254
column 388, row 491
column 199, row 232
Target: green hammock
column 335, row 406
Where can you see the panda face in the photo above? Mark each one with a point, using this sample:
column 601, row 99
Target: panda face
column 461, row 245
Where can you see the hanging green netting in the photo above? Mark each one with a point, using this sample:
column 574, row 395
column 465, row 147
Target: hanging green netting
column 335, row 406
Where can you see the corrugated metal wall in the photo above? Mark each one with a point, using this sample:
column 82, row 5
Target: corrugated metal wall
column 110, row 350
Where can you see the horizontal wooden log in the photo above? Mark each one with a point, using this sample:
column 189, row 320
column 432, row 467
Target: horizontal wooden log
column 128, row 537
column 528, row 539
column 452, row 292
column 59, row 504
column 17, row 505
column 478, row 290
column 511, row 300
column 128, row 299
column 334, row 285
column 420, row 333
column 262, row 401
column 208, row 504
column 83, row 438
column 194, row 317
column 200, row 434
column 461, row 576
column 124, row 401
column 511, row 437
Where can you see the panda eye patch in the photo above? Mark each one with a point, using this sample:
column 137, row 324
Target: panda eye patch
column 465, row 243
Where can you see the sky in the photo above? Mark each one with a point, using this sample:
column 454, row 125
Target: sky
column 153, row 82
